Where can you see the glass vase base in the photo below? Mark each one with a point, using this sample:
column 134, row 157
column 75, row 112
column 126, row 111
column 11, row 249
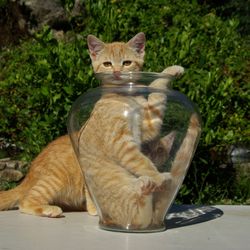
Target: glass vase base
column 130, row 229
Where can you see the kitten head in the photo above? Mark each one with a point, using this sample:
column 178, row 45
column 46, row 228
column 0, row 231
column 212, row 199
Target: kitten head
column 117, row 57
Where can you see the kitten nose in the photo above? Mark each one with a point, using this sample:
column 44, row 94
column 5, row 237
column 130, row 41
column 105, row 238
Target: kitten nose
column 117, row 74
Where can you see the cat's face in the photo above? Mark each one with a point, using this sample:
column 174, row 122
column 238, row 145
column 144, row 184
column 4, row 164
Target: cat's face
column 117, row 57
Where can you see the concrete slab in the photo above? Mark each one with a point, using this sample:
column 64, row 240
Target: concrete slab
column 189, row 227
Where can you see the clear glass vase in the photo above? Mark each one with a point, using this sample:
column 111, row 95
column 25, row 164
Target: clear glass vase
column 134, row 138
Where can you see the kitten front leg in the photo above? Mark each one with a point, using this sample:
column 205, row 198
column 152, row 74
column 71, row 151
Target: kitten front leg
column 154, row 107
column 174, row 70
column 163, row 83
column 136, row 163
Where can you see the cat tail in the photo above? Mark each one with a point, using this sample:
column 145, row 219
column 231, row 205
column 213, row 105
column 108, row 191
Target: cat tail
column 9, row 199
column 186, row 151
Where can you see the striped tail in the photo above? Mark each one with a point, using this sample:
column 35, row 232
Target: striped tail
column 9, row 199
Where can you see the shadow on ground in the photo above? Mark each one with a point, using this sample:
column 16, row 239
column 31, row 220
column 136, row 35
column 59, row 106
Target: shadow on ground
column 186, row 215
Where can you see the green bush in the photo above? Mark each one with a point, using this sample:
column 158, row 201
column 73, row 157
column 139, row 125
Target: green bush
column 39, row 81
column 42, row 77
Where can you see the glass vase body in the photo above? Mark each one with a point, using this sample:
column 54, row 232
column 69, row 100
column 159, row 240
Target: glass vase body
column 134, row 138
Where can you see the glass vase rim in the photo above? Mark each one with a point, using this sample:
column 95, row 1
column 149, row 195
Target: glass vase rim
column 132, row 77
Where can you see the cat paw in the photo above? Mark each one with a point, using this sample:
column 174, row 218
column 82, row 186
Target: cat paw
column 51, row 211
column 146, row 185
column 174, row 70
column 92, row 211
column 164, row 181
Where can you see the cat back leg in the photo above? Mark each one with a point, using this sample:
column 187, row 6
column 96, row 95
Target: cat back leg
column 37, row 201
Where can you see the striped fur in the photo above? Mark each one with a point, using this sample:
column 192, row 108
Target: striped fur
column 54, row 178
column 127, row 186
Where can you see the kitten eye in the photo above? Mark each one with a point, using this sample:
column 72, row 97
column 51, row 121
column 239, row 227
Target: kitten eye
column 107, row 64
column 127, row 63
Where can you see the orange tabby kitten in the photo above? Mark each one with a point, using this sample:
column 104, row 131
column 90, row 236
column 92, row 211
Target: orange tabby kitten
column 114, row 166
column 55, row 179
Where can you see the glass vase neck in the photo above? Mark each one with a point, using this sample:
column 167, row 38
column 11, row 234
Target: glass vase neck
column 130, row 79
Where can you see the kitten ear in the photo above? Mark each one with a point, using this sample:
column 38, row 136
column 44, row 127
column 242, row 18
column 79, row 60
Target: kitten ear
column 137, row 43
column 95, row 45
column 168, row 141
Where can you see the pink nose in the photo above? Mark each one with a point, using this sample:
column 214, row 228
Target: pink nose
column 117, row 74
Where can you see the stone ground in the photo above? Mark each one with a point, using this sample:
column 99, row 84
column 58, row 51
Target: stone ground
column 11, row 170
column 189, row 228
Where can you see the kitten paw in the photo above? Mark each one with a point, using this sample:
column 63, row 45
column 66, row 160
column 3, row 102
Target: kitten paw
column 51, row 211
column 166, row 179
column 92, row 211
column 174, row 70
column 146, row 185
